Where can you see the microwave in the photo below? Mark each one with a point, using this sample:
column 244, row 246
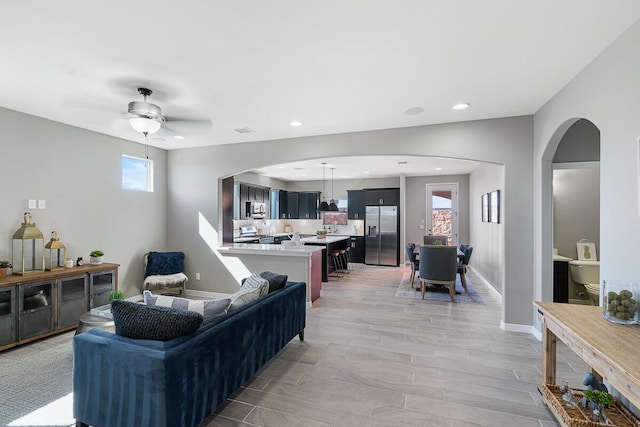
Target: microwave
column 258, row 210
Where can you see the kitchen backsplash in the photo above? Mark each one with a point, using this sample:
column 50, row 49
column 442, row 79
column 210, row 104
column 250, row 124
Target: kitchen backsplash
column 354, row 227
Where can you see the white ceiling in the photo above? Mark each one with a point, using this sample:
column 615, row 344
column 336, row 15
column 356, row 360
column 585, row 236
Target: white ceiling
column 336, row 66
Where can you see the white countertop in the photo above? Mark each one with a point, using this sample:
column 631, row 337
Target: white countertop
column 331, row 238
column 562, row 258
column 258, row 249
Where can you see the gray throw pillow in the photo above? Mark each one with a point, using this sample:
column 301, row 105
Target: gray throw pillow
column 244, row 297
column 256, row 281
column 209, row 309
column 276, row 281
column 146, row 322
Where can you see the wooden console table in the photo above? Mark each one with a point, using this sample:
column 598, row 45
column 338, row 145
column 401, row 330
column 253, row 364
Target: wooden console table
column 43, row 303
column 611, row 350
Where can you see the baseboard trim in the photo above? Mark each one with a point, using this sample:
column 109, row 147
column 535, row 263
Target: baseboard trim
column 514, row 327
column 485, row 281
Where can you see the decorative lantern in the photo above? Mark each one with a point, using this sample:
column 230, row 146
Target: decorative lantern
column 28, row 248
column 57, row 253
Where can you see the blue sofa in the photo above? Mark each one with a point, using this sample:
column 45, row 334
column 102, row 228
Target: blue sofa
column 118, row 381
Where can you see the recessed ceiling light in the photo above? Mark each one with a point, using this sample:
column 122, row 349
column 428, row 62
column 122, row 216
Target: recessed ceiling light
column 366, row 172
column 461, row 106
column 178, row 137
column 296, row 124
column 280, row 167
column 413, row 111
column 438, row 169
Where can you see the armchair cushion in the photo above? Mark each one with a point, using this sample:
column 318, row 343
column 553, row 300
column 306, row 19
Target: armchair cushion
column 164, row 263
column 141, row 321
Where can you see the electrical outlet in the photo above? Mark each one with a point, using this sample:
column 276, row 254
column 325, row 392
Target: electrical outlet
column 32, row 204
column 197, row 276
column 41, row 204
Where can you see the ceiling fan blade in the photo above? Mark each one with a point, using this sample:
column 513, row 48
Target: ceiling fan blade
column 191, row 123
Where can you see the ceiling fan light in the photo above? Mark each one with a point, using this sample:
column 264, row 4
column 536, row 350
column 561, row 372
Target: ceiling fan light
column 145, row 125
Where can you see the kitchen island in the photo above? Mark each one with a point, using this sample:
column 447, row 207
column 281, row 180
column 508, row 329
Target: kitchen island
column 300, row 263
column 329, row 244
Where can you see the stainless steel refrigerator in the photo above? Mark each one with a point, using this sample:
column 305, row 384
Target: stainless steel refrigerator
column 381, row 235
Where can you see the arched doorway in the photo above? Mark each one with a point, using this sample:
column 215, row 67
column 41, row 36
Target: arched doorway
column 574, row 204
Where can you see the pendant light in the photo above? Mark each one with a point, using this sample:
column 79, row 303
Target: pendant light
column 332, row 204
column 324, row 206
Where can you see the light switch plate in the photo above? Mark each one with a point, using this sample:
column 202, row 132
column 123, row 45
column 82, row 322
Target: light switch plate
column 41, row 204
column 32, row 204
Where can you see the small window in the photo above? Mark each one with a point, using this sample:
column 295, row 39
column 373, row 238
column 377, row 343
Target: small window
column 137, row 174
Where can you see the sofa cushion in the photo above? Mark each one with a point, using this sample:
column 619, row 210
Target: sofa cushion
column 276, row 280
column 209, row 309
column 244, row 297
column 256, row 281
column 164, row 263
column 141, row 321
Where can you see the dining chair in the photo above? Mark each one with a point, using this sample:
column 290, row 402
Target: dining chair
column 436, row 240
column 438, row 266
column 463, row 263
column 413, row 261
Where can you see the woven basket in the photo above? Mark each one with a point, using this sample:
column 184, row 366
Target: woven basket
column 618, row 415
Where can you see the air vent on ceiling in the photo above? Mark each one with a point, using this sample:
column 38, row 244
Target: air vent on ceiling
column 244, row 130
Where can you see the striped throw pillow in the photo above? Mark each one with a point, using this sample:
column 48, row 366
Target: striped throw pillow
column 256, row 281
column 209, row 309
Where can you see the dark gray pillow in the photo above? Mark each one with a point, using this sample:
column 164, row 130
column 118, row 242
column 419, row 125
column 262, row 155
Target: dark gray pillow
column 210, row 309
column 276, row 280
column 149, row 322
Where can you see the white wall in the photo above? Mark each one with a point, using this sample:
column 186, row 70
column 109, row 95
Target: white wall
column 486, row 238
column 194, row 188
column 606, row 93
column 78, row 173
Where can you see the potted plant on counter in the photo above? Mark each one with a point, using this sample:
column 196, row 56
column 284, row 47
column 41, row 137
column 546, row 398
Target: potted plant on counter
column 96, row 257
column 114, row 295
column 322, row 234
column 4, row 266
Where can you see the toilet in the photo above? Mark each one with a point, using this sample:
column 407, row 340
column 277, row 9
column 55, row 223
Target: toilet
column 587, row 273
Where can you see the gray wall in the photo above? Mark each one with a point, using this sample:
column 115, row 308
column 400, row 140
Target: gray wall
column 487, row 238
column 78, row 173
column 581, row 143
column 606, row 93
column 194, row 188
column 576, row 209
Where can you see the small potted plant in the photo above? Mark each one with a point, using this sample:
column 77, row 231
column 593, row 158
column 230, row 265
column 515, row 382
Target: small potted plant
column 4, row 266
column 96, row 257
column 114, row 295
column 322, row 234
column 599, row 400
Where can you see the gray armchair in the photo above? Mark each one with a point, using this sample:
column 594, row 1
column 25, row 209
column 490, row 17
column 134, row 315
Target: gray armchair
column 438, row 266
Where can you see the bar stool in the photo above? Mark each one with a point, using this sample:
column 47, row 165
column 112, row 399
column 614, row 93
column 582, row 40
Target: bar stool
column 345, row 258
column 335, row 260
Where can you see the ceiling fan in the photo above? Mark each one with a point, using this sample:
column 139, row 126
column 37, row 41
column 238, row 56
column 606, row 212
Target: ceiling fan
column 148, row 118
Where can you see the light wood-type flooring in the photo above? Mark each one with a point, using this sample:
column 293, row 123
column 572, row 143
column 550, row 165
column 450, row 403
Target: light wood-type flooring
column 370, row 359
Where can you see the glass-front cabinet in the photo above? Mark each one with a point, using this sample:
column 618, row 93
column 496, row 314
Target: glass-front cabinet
column 72, row 299
column 7, row 316
column 99, row 286
column 35, row 309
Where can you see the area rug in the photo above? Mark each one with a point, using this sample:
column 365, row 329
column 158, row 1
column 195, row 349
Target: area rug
column 31, row 380
column 438, row 293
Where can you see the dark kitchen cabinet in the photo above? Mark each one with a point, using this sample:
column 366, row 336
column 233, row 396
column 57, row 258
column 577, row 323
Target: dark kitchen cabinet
column 308, row 205
column 283, row 205
column 355, row 204
column 356, row 252
column 382, row 196
column 292, row 204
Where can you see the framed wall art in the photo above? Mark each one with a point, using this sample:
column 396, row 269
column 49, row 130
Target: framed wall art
column 485, row 207
column 494, row 210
